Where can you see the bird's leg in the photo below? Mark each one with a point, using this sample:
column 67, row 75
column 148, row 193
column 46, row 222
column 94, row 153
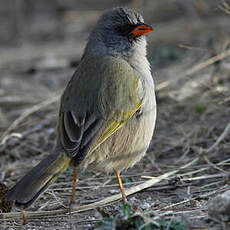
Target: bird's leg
column 72, row 201
column 121, row 186
column 23, row 217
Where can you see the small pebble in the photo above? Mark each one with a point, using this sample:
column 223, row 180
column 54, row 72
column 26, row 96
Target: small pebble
column 219, row 207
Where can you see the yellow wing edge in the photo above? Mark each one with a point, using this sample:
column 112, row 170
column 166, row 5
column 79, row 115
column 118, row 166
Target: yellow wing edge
column 114, row 126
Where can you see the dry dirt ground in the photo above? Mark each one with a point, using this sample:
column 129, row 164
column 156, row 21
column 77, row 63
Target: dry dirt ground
column 189, row 51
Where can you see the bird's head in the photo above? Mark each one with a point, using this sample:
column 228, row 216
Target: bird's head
column 118, row 32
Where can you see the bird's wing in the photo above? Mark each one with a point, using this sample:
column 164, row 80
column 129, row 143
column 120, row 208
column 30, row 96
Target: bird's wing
column 100, row 98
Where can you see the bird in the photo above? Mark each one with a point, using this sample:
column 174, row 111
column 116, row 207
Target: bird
column 107, row 112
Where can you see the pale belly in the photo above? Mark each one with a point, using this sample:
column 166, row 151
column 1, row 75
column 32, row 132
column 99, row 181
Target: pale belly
column 125, row 147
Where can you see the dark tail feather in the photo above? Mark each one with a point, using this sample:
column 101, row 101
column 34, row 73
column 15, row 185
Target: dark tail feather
column 27, row 190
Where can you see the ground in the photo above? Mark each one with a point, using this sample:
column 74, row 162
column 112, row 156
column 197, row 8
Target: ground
column 40, row 47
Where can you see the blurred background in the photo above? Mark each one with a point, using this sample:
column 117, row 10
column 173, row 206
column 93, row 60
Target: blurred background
column 41, row 43
column 51, row 35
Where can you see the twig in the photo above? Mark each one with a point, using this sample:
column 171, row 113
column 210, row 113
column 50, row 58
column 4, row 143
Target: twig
column 202, row 169
column 204, row 177
column 194, row 69
column 94, row 205
column 225, row 7
column 224, row 101
column 5, row 138
column 214, row 165
column 220, row 138
column 28, row 112
column 190, row 47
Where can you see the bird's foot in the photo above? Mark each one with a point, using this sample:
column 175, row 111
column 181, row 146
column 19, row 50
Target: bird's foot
column 23, row 218
column 71, row 204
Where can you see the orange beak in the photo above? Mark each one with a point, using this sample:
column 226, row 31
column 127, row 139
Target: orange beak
column 141, row 29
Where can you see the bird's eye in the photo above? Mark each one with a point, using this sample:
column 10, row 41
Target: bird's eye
column 125, row 30
column 120, row 29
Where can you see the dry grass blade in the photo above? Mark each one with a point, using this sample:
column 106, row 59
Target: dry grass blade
column 94, row 205
column 27, row 113
column 223, row 135
column 225, row 7
column 220, row 138
column 108, row 200
column 194, row 69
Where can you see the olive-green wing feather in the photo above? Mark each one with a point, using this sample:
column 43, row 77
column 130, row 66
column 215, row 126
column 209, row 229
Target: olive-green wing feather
column 100, row 98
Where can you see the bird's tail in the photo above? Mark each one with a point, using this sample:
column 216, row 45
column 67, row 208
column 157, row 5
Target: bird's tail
column 27, row 190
